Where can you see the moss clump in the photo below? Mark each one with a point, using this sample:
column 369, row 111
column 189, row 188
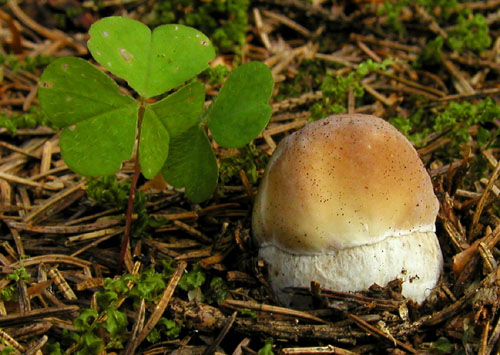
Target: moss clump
column 224, row 21
column 249, row 160
column 106, row 191
column 431, row 55
column 215, row 75
column 470, row 30
column 309, row 77
column 30, row 64
column 455, row 121
column 335, row 89
column 31, row 119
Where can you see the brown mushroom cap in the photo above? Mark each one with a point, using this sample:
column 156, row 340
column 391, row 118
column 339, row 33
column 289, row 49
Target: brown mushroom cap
column 344, row 181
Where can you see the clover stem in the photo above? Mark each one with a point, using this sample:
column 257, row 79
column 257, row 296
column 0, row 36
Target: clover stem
column 131, row 195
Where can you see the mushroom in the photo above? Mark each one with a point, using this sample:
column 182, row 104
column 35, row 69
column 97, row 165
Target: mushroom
column 347, row 202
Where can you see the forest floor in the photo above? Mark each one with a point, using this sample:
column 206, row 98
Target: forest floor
column 194, row 284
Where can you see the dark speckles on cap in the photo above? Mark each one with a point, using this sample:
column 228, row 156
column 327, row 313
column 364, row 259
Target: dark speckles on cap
column 346, row 180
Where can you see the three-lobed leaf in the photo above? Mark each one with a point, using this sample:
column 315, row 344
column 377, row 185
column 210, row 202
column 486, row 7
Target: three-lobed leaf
column 152, row 62
column 99, row 122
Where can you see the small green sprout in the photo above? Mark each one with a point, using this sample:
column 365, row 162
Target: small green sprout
column 192, row 282
column 8, row 293
column 193, row 279
column 442, row 346
column 267, row 349
column 106, row 326
column 170, row 328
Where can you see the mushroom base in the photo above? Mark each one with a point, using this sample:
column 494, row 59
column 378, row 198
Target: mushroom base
column 415, row 258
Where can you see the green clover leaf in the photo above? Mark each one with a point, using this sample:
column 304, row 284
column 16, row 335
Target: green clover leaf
column 99, row 122
column 241, row 110
column 192, row 164
column 154, row 61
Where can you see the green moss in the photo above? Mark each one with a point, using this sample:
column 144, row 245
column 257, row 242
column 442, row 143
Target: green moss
column 391, row 10
column 415, row 127
column 441, row 10
column 30, row 64
column 309, row 78
column 472, row 32
column 107, row 327
column 215, row 75
column 224, row 21
column 167, row 327
column 431, row 55
column 455, row 122
column 217, row 291
column 335, row 89
column 31, row 119
column 8, row 350
column 445, row 8
column 249, row 159
column 9, row 292
column 460, row 116
column 106, row 191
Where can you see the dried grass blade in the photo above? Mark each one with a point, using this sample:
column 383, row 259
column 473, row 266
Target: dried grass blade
column 136, row 330
column 162, row 305
column 23, row 181
column 274, row 309
column 24, row 318
column 54, row 199
column 378, row 333
column 64, row 229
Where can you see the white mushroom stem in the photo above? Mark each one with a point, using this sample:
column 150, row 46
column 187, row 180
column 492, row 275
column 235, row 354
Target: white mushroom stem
column 416, row 259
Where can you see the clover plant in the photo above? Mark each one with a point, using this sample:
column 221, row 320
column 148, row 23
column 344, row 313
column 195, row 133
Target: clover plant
column 100, row 122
